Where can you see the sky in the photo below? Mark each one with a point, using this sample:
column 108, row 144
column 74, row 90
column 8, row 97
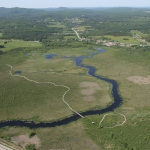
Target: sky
column 73, row 3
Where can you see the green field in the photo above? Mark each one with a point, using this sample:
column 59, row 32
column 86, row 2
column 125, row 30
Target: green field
column 18, row 43
column 56, row 25
column 123, row 39
column 84, row 27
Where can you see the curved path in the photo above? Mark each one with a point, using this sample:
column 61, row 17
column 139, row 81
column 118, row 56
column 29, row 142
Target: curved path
column 117, row 124
column 63, row 98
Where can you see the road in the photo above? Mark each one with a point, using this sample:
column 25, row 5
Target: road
column 80, row 39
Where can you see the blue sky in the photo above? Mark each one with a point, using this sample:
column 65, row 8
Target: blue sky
column 74, row 3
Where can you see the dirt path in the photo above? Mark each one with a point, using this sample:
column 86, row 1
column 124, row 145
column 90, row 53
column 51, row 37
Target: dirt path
column 63, row 98
column 117, row 124
column 80, row 39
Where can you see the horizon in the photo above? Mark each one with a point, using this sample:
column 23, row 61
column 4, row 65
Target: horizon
column 79, row 7
column 74, row 4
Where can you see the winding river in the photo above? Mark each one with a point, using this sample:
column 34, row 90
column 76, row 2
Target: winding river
column 91, row 71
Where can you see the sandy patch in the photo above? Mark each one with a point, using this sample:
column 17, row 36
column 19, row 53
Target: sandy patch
column 139, row 80
column 89, row 98
column 88, row 89
column 24, row 140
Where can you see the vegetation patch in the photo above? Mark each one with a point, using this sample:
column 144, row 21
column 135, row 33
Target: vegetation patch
column 11, row 44
column 25, row 141
column 139, row 80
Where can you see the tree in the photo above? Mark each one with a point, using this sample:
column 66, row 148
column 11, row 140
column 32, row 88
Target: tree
column 1, row 52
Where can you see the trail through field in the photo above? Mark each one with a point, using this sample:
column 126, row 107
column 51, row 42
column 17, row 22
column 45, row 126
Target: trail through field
column 80, row 39
column 115, row 125
column 63, row 97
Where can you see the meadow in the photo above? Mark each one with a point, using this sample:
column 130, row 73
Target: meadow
column 43, row 102
column 11, row 44
column 124, row 63
column 123, row 39
column 25, row 96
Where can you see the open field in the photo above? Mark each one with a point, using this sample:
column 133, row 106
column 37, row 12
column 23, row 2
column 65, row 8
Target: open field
column 18, row 43
column 123, row 39
column 84, row 27
column 56, row 25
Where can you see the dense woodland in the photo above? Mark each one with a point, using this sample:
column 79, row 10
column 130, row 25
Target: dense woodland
column 32, row 24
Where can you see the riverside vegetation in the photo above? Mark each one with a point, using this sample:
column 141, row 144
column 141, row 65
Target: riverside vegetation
column 31, row 34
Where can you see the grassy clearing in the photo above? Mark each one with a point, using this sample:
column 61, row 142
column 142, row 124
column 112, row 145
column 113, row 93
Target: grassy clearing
column 11, row 44
column 56, row 25
column 84, row 27
column 123, row 39
column 1, row 34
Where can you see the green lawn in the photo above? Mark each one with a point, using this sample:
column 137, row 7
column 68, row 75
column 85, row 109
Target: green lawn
column 11, row 44
column 70, row 37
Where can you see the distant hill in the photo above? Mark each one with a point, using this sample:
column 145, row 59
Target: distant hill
column 15, row 12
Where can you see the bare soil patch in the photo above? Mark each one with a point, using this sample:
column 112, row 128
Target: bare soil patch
column 89, row 98
column 88, row 89
column 139, row 80
column 24, row 140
